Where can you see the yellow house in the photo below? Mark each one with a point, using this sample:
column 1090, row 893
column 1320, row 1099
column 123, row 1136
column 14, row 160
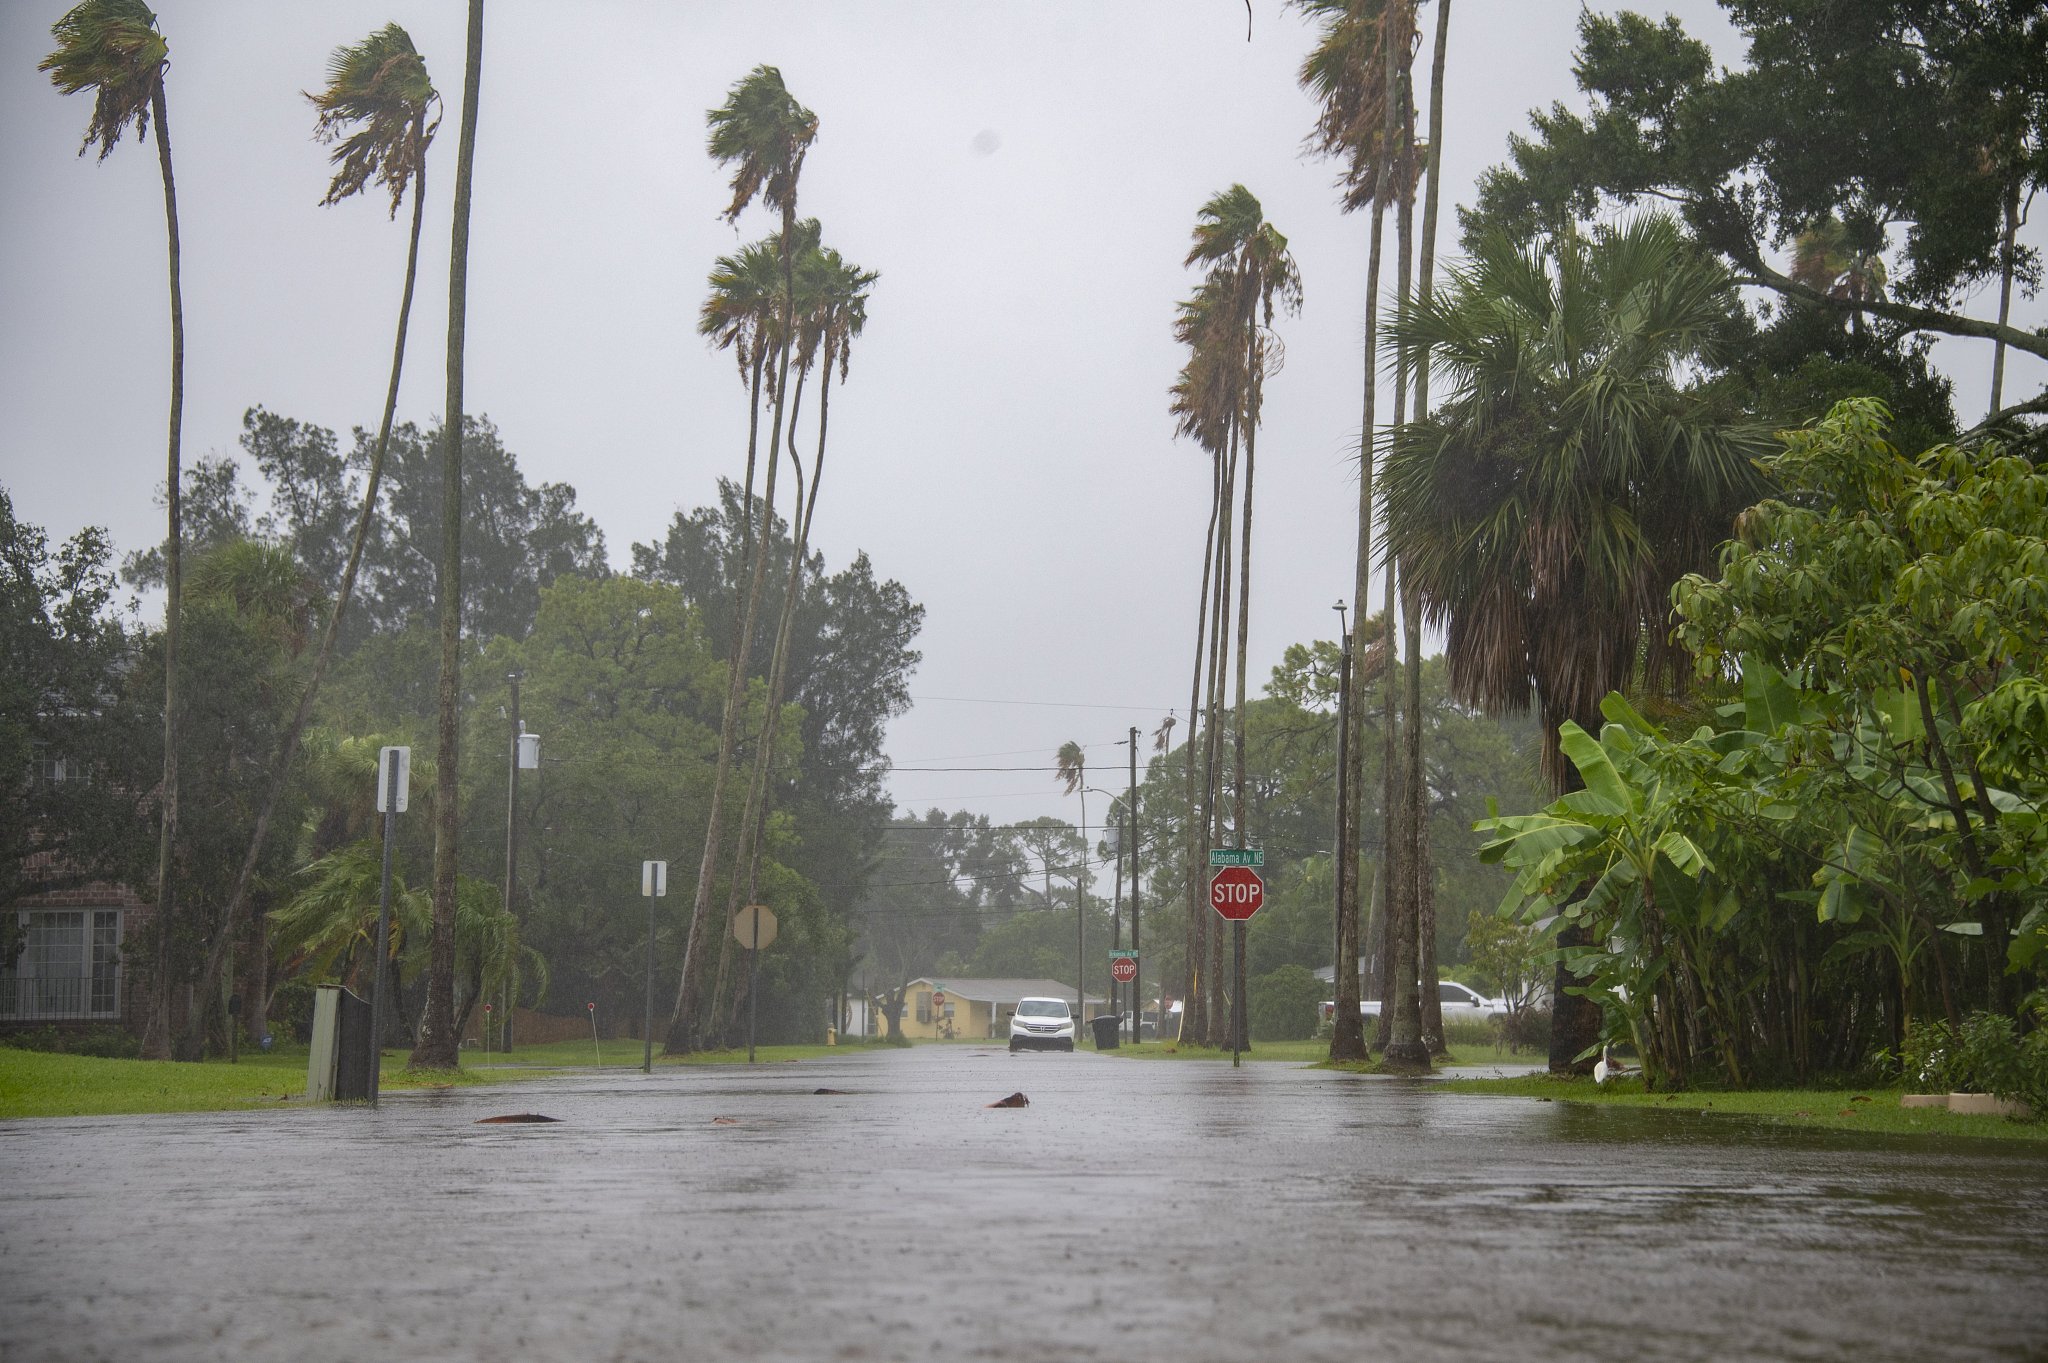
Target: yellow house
column 955, row 1009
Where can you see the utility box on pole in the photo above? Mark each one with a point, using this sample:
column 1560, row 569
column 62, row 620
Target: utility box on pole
column 339, row 1065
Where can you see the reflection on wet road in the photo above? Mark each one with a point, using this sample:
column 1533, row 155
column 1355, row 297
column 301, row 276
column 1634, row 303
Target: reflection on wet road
column 1135, row 1210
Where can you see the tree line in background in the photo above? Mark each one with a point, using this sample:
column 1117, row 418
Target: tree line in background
column 955, row 896
column 439, row 524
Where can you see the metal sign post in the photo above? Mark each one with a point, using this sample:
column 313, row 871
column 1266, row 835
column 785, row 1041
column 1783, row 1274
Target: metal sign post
column 1237, row 891
column 753, row 927
column 394, row 789
column 653, row 885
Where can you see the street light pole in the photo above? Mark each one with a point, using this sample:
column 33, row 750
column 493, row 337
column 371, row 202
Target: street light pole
column 512, row 827
column 1347, row 1038
column 1081, row 926
column 1138, row 979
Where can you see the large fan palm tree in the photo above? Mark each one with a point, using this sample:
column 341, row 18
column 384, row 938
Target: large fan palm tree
column 376, row 106
column 438, row 1039
column 763, row 134
column 1543, row 511
column 113, row 48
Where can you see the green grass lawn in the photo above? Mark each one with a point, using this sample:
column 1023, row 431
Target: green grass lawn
column 1870, row 1109
column 1311, row 1053
column 45, row 1084
column 627, row 1055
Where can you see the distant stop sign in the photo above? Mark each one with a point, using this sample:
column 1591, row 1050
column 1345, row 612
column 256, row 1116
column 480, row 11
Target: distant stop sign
column 1124, row 969
column 1236, row 892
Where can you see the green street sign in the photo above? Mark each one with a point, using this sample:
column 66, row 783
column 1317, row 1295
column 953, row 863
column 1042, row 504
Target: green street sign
column 1122, row 954
column 1237, row 856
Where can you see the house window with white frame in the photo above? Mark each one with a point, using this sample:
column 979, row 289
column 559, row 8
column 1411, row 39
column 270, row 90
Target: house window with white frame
column 66, row 964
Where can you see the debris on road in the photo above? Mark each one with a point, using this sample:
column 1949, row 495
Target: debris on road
column 516, row 1117
column 1014, row 1100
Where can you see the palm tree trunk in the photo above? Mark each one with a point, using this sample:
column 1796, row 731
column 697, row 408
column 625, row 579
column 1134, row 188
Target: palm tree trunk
column 157, row 1039
column 1405, row 1048
column 747, row 492
column 2005, row 272
column 1196, row 861
column 288, row 748
column 1393, row 859
column 1422, row 871
column 682, row 1020
column 1219, row 663
column 437, row 1041
column 1347, row 1038
column 753, row 821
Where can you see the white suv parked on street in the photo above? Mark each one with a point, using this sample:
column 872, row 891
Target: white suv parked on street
column 1042, row 1024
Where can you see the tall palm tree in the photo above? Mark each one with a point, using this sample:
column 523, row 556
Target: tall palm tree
column 1570, row 476
column 763, row 134
column 1248, row 258
column 376, row 106
column 742, row 313
column 1070, row 767
column 1418, row 815
column 1348, row 73
column 831, row 311
column 113, row 48
column 1204, row 405
column 437, row 1039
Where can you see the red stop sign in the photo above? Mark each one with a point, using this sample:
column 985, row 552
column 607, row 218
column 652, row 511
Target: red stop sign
column 1123, row 969
column 1236, row 892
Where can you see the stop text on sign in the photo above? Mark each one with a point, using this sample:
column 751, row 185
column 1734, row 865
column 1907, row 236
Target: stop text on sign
column 1236, row 892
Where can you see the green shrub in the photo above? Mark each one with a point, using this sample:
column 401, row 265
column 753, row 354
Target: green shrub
column 105, row 1043
column 1285, row 1005
column 1987, row 1054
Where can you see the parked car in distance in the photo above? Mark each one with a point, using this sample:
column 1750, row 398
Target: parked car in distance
column 1148, row 1025
column 1042, row 1025
column 1457, row 1001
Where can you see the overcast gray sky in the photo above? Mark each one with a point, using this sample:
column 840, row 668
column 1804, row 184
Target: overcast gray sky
column 1023, row 175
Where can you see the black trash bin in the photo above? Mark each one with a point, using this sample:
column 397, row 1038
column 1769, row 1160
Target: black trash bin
column 1108, row 1027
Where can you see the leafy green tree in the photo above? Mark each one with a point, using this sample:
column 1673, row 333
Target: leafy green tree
column 1922, row 587
column 113, row 48
column 1782, row 145
column 1284, row 1004
column 62, row 651
column 624, row 688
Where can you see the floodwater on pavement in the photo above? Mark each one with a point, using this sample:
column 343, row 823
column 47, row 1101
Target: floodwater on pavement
column 1135, row 1210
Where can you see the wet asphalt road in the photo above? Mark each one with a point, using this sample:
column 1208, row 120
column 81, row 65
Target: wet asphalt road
column 1134, row 1211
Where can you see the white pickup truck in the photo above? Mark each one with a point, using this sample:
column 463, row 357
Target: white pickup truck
column 1458, row 1001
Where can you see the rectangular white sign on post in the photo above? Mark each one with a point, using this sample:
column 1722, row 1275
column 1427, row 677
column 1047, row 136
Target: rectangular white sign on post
column 386, row 759
column 654, row 879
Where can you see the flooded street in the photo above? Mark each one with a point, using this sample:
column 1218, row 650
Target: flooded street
column 1135, row 1210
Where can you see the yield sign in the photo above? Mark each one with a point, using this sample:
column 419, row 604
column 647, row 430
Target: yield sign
column 1236, row 892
